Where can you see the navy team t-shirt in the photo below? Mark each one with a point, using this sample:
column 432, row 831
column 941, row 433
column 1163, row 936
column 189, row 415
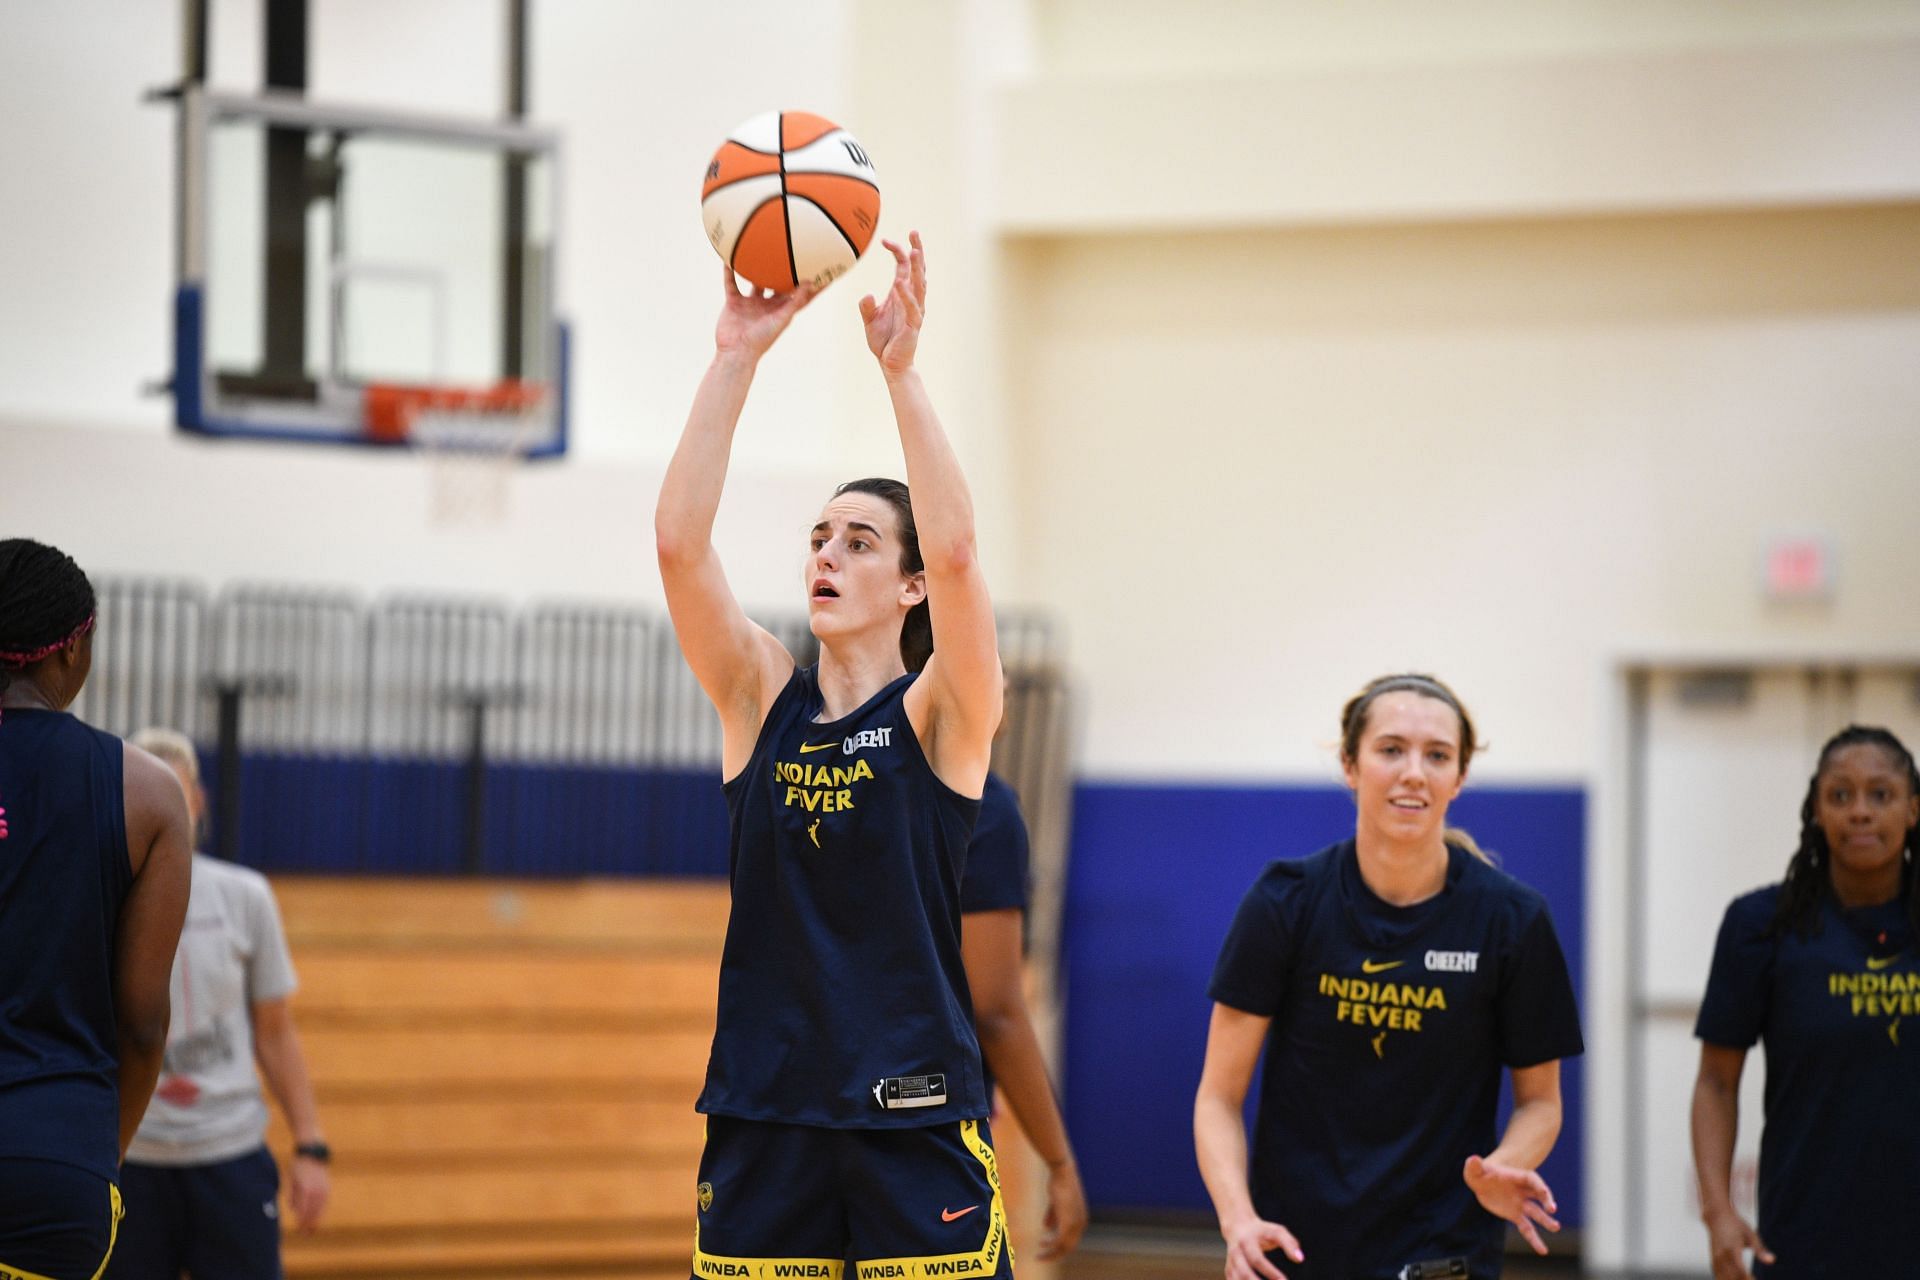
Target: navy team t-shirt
column 1839, row 1015
column 996, row 874
column 1382, row 1065
column 843, row 998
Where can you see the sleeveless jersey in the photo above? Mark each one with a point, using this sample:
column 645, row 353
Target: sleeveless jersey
column 63, row 874
column 843, row 1000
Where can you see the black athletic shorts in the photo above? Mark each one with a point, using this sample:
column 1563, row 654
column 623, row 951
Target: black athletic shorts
column 216, row 1221
column 793, row 1202
column 57, row 1221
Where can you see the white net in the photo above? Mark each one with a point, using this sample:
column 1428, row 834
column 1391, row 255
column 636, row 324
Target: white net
column 473, row 455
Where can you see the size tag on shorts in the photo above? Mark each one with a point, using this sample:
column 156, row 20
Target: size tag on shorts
column 896, row 1092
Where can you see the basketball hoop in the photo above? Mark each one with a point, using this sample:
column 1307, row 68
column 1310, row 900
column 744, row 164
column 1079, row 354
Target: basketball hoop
column 472, row 439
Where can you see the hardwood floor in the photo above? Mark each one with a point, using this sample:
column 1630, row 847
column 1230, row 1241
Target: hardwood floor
column 1181, row 1254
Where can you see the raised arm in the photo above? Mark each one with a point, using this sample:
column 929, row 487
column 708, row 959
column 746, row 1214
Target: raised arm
column 955, row 706
column 739, row 665
column 1234, row 1039
column 160, row 850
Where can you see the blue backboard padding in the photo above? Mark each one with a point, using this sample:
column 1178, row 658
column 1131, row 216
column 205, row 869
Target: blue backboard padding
column 1156, row 873
column 189, row 402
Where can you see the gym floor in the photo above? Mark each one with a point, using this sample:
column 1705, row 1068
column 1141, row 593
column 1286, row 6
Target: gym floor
column 1110, row 1253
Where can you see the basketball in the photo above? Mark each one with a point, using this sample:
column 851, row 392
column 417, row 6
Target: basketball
column 790, row 198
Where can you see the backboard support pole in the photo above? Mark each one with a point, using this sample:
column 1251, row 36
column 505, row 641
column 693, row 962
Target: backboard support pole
column 284, row 307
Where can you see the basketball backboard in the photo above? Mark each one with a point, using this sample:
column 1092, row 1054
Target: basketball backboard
column 343, row 269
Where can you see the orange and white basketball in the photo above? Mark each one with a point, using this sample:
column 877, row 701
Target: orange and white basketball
column 790, row 197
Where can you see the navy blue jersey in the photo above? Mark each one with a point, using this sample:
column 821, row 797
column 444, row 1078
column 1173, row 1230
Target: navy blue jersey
column 1839, row 1013
column 64, row 872
column 1382, row 1065
column 843, row 1000
column 996, row 874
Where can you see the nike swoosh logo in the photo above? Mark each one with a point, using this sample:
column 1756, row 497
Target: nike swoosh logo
column 1881, row 963
column 818, row 746
column 947, row 1215
column 1379, row 966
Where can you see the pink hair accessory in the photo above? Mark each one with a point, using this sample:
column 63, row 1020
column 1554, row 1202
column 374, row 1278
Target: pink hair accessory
column 26, row 658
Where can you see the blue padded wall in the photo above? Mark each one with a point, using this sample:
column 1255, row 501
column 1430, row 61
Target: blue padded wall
column 1156, row 874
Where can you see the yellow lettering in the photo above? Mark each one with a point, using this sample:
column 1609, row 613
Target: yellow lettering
column 861, row 769
column 1413, row 1020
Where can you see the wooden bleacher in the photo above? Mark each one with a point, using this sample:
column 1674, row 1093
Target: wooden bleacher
column 506, row 1072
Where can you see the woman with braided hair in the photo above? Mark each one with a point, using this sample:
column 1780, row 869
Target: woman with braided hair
column 94, row 857
column 1822, row 968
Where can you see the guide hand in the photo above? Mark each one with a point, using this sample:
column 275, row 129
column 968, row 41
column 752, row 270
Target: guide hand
column 1520, row 1196
column 1248, row 1246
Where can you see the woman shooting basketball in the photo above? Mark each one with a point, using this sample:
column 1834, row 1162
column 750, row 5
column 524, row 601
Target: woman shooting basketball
column 1388, row 978
column 844, row 1095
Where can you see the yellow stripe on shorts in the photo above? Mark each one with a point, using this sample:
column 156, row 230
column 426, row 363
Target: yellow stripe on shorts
column 710, row 1266
column 116, row 1207
column 983, row 1261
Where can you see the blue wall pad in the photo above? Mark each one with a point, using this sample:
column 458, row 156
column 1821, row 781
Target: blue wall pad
column 1156, row 873
column 340, row 815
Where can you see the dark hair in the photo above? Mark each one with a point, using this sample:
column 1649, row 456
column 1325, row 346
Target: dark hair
column 45, row 602
column 916, row 637
column 1353, row 726
column 1807, row 879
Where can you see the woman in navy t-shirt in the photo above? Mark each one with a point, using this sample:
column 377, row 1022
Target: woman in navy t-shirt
column 1822, row 968
column 844, row 1093
column 1388, row 979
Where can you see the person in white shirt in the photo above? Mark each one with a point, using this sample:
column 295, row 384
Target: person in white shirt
column 202, row 1190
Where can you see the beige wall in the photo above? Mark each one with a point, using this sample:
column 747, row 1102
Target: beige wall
column 1262, row 467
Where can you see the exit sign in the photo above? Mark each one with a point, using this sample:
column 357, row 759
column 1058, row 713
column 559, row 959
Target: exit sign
column 1799, row 568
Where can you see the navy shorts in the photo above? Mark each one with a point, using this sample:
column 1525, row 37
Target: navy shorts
column 796, row 1201
column 57, row 1221
column 213, row 1221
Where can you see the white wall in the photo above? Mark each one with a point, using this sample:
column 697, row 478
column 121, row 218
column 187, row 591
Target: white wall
column 1265, row 466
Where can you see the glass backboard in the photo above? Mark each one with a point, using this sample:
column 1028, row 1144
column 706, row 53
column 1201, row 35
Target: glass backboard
column 337, row 262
